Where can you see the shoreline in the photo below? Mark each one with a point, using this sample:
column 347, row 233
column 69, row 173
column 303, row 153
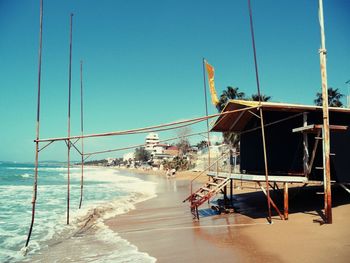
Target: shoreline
column 249, row 238
column 162, row 228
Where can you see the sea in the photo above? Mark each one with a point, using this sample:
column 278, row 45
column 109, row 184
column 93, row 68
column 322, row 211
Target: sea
column 108, row 190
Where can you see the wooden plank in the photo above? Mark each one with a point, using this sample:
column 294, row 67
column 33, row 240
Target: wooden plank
column 304, row 128
column 333, row 127
column 261, row 178
column 316, row 127
column 199, row 194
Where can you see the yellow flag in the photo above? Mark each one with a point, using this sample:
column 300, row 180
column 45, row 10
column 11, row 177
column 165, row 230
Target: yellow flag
column 210, row 70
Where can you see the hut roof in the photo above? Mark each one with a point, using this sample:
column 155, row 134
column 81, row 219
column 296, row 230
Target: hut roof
column 236, row 121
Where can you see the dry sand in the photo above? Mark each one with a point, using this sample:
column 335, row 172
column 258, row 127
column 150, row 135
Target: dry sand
column 163, row 227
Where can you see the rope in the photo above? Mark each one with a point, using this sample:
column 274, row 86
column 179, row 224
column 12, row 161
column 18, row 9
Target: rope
column 140, row 145
column 146, row 129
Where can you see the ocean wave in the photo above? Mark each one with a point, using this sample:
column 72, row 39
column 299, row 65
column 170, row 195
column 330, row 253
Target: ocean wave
column 47, row 169
column 107, row 194
column 25, row 175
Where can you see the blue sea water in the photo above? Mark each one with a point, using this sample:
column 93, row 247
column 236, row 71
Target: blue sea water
column 106, row 189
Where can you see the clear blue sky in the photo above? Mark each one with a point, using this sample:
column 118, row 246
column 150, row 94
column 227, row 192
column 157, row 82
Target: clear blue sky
column 142, row 62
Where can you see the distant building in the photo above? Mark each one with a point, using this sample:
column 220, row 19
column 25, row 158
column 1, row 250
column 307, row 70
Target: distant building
column 152, row 139
column 172, row 151
column 159, row 148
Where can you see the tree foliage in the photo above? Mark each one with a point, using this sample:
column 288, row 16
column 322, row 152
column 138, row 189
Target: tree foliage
column 178, row 163
column 263, row 97
column 202, row 145
column 334, row 98
column 231, row 93
column 142, row 155
column 183, row 143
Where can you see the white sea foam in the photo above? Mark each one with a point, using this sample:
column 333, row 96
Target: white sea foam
column 107, row 192
column 47, row 169
column 25, row 175
column 126, row 251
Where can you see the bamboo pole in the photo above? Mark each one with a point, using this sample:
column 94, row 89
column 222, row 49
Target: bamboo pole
column 69, row 103
column 82, row 133
column 306, row 154
column 206, row 109
column 35, row 186
column 326, row 135
column 261, row 112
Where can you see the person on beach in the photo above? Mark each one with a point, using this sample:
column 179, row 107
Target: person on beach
column 173, row 172
column 168, row 173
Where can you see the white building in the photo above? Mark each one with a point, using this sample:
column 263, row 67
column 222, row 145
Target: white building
column 152, row 139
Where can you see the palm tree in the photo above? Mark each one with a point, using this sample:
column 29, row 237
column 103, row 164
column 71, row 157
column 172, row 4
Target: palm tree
column 230, row 93
column 334, row 97
column 263, row 97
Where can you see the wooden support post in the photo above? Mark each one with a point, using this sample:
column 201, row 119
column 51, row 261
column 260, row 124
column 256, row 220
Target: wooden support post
column 231, row 192
column 69, row 107
column 325, row 130
column 286, row 204
column 35, row 185
column 206, row 110
column 305, row 147
column 82, row 134
column 225, row 195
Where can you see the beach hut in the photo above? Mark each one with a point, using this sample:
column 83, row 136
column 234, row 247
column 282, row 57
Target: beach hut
column 294, row 150
column 293, row 139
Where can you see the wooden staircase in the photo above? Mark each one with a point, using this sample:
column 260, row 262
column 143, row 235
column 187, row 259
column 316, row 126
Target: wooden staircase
column 205, row 193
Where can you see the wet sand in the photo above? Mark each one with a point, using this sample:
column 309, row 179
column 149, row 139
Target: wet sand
column 163, row 227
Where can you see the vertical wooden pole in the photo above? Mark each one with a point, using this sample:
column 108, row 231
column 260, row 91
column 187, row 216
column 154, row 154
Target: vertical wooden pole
column 261, row 112
column 326, row 135
column 206, row 110
column 225, row 195
column 265, row 165
column 231, row 192
column 82, row 133
column 69, row 103
column 35, row 186
column 286, row 202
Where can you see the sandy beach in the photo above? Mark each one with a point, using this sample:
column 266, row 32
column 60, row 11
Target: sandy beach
column 163, row 228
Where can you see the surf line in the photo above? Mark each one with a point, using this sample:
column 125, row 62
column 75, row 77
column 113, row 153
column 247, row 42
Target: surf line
column 188, row 227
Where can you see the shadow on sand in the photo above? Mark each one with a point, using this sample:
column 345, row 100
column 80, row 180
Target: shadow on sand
column 307, row 200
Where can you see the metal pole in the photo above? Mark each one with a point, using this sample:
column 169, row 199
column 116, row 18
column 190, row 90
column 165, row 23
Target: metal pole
column 326, row 135
column 35, row 186
column 69, row 102
column 206, row 109
column 82, row 133
column 261, row 112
